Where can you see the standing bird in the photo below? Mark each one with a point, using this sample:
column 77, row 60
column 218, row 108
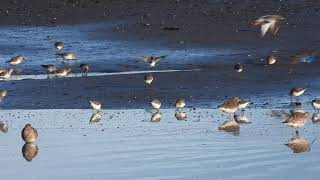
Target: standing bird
column 156, row 104
column 84, row 69
column 96, row 105
column 58, row 45
column 316, row 104
column 29, row 134
column 238, row 67
column 230, row 106
column 296, row 92
column 6, row 74
column 62, row 72
column 151, row 60
column 180, row 103
column 67, row 56
column 271, row 59
column 148, row 78
column 297, row 119
column 3, row 94
column 49, row 67
column 269, row 23
column 16, row 60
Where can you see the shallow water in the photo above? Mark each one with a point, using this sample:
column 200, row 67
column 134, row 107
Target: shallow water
column 102, row 52
column 125, row 144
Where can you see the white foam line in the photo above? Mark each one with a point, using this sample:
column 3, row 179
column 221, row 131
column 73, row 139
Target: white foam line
column 45, row 76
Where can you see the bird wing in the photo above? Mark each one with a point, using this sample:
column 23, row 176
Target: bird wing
column 143, row 58
column 160, row 57
column 264, row 28
column 274, row 28
column 3, row 73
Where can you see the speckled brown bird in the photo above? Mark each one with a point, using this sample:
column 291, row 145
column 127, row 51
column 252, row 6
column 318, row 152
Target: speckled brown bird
column 230, row 106
column 67, row 56
column 156, row 104
column 238, row 67
column 84, row 69
column 49, row 67
column 271, row 59
column 296, row 92
column 3, row 94
column 6, row 74
column 58, row 45
column 62, row 72
column 180, row 103
column 96, row 105
column 151, row 60
column 148, row 78
column 16, row 60
column 29, row 134
column 316, row 104
column 297, row 119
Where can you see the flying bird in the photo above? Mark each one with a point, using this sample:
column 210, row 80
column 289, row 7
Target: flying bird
column 269, row 23
column 151, row 60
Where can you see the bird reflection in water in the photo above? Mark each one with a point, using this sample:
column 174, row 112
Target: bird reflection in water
column 241, row 119
column 316, row 117
column 29, row 151
column 181, row 116
column 299, row 144
column 4, row 127
column 230, row 126
column 156, row 117
column 96, row 117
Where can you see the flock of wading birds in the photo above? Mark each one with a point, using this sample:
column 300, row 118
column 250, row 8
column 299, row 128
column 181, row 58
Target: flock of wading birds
column 268, row 23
